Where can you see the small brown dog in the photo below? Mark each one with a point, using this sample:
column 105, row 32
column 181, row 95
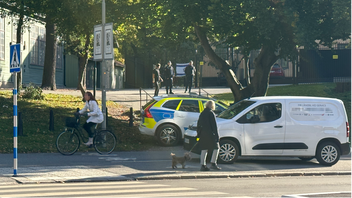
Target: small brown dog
column 180, row 160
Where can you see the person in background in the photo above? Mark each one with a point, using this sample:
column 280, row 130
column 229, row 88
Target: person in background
column 169, row 74
column 157, row 79
column 207, row 132
column 190, row 71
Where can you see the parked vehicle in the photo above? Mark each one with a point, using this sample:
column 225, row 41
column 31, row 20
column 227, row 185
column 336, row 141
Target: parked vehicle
column 304, row 127
column 167, row 117
column 277, row 71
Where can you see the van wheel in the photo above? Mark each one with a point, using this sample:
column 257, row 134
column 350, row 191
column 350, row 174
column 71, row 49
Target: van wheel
column 168, row 135
column 328, row 153
column 229, row 152
column 306, row 159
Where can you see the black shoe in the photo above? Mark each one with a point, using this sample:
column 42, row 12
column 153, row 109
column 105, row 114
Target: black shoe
column 215, row 167
column 204, row 168
column 171, row 92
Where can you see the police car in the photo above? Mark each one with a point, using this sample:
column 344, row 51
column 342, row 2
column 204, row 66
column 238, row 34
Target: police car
column 167, row 117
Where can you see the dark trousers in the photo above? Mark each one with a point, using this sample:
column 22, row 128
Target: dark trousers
column 88, row 127
column 168, row 84
column 157, row 87
column 188, row 83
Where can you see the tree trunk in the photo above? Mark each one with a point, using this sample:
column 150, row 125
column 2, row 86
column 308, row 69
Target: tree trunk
column 48, row 81
column 18, row 40
column 230, row 76
column 260, row 81
column 83, row 61
column 263, row 64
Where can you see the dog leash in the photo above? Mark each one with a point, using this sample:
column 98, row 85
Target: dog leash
column 193, row 146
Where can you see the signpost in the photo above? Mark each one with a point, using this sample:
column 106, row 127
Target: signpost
column 15, row 62
column 103, row 50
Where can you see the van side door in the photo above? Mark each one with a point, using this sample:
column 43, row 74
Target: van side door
column 264, row 129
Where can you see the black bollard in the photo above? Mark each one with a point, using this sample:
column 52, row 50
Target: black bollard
column 51, row 122
column 131, row 118
column 20, row 124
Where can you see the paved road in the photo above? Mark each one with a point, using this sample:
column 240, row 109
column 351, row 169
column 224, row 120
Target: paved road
column 241, row 187
column 151, row 164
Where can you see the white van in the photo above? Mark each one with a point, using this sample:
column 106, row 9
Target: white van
column 304, row 127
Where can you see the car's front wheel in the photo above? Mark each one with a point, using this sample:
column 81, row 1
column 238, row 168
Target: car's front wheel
column 168, row 135
column 229, row 152
column 328, row 153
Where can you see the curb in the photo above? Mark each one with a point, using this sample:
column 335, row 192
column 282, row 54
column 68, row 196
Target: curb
column 244, row 175
column 176, row 177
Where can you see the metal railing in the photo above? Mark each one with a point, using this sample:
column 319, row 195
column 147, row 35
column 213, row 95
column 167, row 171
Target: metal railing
column 146, row 97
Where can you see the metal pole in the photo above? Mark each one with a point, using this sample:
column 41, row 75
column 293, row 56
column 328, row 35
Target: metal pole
column 95, row 78
column 15, row 125
column 140, row 98
column 103, row 68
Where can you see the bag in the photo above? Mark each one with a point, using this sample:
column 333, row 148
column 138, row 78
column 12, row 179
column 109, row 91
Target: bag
column 71, row 122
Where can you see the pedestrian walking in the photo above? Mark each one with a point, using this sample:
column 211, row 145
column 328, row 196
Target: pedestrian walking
column 207, row 132
column 169, row 74
column 157, row 79
column 190, row 71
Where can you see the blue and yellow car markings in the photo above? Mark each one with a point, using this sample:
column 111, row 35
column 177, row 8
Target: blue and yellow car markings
column 160, row 114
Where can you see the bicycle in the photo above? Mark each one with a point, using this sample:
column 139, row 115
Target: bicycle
column 69, row 141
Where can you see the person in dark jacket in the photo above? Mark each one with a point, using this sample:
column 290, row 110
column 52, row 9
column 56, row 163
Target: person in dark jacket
column 207, row 132
column 168, row 77
column 157, row 79
column 190, row 71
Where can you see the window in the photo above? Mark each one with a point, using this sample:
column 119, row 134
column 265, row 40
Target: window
column 34, row 45
column 218, row 108
column 235, row 109
column 172, row 104
column 59, row 56
column 263, row 113
column 189, row 106
column 38, row 46
column 2, row 38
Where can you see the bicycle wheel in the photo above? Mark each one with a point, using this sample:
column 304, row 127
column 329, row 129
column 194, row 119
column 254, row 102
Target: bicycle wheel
column 67, row 143
column 104, row 142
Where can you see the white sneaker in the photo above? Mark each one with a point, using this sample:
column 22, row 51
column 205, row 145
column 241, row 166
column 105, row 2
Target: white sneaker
column 88, row 144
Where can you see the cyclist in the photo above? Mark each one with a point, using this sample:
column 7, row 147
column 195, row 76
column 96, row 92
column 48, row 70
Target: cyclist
column 95, row 115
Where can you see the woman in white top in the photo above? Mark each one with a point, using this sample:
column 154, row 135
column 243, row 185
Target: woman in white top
column 95, row 115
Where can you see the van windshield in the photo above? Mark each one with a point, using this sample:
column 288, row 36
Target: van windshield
column 235, row 109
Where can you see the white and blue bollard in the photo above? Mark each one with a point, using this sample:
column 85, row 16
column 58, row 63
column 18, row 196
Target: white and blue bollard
column 15, row 126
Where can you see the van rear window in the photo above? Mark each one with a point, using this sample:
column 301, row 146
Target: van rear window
column 235, row 109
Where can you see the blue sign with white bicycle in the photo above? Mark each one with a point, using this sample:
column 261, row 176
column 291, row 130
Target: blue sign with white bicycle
column 15, row 58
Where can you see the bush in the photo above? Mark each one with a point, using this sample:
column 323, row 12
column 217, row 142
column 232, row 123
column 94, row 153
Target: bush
column 34, row 92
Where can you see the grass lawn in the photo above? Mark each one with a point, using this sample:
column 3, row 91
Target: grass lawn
column 318, row 90
column 35, row 116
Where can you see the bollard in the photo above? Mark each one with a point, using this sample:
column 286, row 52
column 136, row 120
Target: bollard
column 20, row 124
column 130, row 124
column 51, row 122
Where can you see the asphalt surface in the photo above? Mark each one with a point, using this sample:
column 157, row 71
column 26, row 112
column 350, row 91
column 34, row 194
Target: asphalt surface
column 154, row 164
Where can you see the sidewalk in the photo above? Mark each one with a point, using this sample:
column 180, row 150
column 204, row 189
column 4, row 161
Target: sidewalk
column 155, row 165
column 131, row 97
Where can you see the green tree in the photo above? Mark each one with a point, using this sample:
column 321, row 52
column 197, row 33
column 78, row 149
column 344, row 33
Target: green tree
column 276, row 27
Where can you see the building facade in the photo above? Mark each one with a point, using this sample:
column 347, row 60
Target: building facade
column 32, row 53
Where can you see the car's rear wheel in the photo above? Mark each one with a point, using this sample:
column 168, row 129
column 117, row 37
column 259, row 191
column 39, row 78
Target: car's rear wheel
column 229, row 152
column 328, row 153
column 168, row 135
column 306, row 159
